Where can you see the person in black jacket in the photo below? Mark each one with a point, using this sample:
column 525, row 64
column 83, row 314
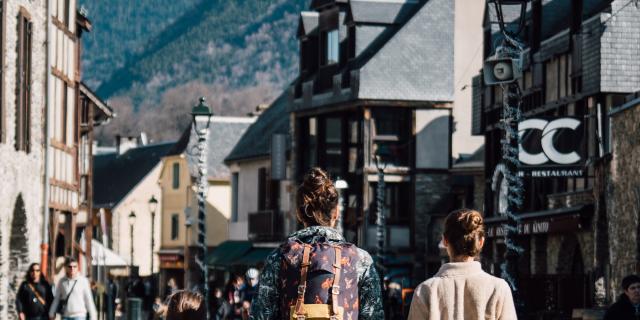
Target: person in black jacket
column 34, row 295
column 628, row 305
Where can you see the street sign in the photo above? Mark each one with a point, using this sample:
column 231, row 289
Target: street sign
column 552, row 147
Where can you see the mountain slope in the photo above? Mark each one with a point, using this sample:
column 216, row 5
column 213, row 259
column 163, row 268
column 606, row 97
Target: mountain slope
column 237, row 53
column 121, row 29
column 236, row 43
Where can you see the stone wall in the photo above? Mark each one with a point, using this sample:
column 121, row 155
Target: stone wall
column 478, row 192
column 22, row 173
column 623, row 197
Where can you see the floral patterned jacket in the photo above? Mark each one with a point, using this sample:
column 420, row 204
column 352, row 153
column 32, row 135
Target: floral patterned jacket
column 266, row 305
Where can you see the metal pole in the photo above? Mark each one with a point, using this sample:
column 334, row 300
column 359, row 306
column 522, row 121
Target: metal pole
column 131, row 253
column 153, row 220
column 202, row 228
column 380, row 221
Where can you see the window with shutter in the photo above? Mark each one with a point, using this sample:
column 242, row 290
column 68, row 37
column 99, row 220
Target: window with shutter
column 23, row 94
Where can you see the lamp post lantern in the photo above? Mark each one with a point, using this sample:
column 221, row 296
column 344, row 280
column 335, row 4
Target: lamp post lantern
column 510, row 50
column 132, row 221
column 341, row 186
column 201, row 115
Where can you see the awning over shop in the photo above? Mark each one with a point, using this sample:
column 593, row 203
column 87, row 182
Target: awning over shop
column 254, row 257
column 102, row 256
column 569, row 219
column 227, row 253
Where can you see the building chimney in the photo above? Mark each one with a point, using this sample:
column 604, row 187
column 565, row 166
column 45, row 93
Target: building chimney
column 123, row 144
column 259, row 110
column 144, row 139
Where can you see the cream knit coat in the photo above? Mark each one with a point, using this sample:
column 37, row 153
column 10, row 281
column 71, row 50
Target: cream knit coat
column 462, row 291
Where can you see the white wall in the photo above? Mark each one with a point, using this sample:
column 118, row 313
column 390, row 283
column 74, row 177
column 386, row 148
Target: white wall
column 467, row 60
column 138, row 201
column 247, row 195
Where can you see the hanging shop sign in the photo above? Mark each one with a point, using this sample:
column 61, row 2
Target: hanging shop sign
column 541, row 226
column 552, row 147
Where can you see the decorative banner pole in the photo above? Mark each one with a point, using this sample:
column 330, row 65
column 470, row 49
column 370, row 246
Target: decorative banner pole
column 201, row 119
column 504, row 69
column 381, row 158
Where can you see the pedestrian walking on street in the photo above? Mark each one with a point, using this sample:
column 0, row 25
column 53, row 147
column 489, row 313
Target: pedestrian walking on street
column 34, row 296
column 628, row 305
column 221, row 309
column 251, row 290
column 235, row 291
column 461, row 290
column 316, row 273
column 186, row 305
column 73, row 298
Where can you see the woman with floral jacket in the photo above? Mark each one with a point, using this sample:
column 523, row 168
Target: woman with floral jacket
column 317, row 201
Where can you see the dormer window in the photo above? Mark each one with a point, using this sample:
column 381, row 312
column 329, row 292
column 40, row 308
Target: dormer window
column 333, row 47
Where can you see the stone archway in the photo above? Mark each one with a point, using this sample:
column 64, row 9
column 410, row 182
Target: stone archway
column 18, row 253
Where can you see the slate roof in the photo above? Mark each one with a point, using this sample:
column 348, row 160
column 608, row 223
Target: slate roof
column 404, row 52
column 415, row 62
column 256, row 141
column 114, row 176
column 381, row 11
column 470, row 162
column 224, row 133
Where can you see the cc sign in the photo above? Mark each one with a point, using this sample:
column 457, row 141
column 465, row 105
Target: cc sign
column 548, row 142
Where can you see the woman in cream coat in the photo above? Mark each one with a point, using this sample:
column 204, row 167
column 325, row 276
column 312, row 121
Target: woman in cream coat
column 461, row 290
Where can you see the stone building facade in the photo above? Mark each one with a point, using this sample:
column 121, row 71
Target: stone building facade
column 21, row 171
column 623, row 195
column 579, row 61
column 32, row 115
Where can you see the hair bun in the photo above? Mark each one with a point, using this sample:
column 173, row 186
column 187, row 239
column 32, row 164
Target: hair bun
column 316, row 198
column 463, row 229
column 471, row 222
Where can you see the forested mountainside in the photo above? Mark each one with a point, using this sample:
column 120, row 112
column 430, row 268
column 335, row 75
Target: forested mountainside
column 236, row 53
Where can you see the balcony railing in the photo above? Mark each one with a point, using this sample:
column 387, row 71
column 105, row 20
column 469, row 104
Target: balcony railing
column 266, row 226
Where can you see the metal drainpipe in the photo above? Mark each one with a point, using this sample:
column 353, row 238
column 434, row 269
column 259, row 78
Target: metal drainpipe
column 44, row 247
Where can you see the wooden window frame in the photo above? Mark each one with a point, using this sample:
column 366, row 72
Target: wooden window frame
column 23, row 82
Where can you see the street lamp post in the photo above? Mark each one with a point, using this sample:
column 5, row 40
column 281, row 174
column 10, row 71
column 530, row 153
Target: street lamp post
column 153, row 205
column 510, row 50
column 132, row 221
column 341, row 186
column 201, row 115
